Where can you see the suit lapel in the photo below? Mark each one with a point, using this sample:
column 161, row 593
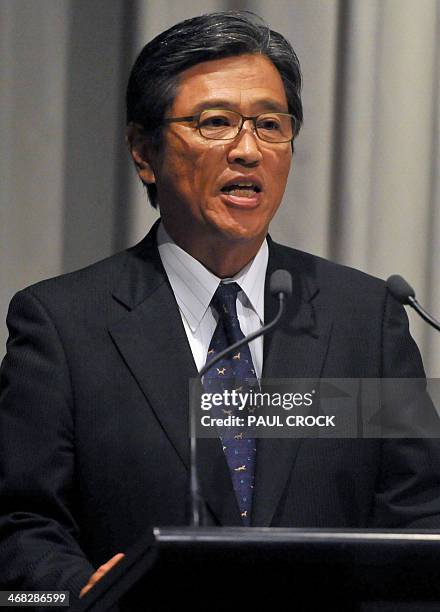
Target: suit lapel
column 153, row 343
column 296, row 349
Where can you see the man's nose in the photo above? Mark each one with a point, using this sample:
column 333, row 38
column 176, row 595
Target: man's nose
column 245, row 148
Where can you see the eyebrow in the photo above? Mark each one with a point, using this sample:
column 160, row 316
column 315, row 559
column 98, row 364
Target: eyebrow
column 265, row 103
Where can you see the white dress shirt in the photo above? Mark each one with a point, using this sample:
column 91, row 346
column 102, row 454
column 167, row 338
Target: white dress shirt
column 194, row 286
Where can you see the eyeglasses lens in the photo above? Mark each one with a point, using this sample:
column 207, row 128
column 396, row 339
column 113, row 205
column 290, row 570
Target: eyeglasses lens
column 218, row 124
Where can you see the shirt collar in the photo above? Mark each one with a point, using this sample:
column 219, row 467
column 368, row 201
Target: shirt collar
column 194, row 285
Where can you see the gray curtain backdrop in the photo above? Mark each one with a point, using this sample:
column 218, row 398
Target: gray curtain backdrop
column 364, row 188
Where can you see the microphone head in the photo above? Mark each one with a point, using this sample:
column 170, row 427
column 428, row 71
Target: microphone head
column 281, row 282
column 400, row 289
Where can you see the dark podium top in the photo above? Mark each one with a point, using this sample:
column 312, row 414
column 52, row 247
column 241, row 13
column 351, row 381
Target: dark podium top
column 313, row 569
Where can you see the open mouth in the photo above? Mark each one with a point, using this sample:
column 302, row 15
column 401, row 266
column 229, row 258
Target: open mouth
column 241, row 189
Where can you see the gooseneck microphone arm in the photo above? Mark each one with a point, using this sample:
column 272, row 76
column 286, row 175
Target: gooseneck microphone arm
column 405, row 294
column 280, row 287
column 252, row 336
column 423, row 313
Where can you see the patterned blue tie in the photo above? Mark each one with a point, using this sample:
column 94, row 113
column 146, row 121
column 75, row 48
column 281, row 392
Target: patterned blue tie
column 235, row 371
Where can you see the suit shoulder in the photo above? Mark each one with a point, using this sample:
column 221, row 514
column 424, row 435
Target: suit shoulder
column 96, row 275
column 90, row 282
column 330, row 276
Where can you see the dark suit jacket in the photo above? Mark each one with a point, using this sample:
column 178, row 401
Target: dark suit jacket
column 94, row 416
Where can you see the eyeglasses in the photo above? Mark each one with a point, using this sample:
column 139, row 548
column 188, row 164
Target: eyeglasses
column 222, row 124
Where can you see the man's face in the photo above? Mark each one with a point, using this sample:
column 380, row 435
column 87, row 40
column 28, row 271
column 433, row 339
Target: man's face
column 193, row 175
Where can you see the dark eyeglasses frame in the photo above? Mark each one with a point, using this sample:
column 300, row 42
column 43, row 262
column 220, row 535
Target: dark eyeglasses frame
column 243, row 119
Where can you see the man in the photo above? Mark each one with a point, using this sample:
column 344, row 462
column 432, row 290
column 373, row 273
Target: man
column 94, row 387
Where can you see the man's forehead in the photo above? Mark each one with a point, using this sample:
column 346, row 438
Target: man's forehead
column 228, row 101
column 226, row 82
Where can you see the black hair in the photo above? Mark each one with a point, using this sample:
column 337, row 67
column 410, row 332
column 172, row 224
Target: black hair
column 154, row 78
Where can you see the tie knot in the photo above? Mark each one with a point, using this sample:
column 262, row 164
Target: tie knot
column 224, row 299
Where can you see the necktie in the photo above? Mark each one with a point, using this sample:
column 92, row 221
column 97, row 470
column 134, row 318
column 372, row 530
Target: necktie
column 235, row 371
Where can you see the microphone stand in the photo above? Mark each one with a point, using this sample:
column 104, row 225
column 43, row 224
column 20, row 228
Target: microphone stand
column 423, row 313
column 405, row 294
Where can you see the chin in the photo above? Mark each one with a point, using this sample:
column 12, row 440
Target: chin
column 240, row 232
column 239, row 227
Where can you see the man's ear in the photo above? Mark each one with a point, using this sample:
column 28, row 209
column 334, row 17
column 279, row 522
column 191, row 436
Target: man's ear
column 140, row 150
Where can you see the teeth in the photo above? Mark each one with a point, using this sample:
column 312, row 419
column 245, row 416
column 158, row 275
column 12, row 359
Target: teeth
column 241, row 186
column 242, row 193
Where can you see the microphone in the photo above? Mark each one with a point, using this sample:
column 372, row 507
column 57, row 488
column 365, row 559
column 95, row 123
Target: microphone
column 280, row 284
column 280, row 287
column 405, row 294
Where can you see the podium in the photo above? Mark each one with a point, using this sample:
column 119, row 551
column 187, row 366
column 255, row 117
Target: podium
column 273, row 568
